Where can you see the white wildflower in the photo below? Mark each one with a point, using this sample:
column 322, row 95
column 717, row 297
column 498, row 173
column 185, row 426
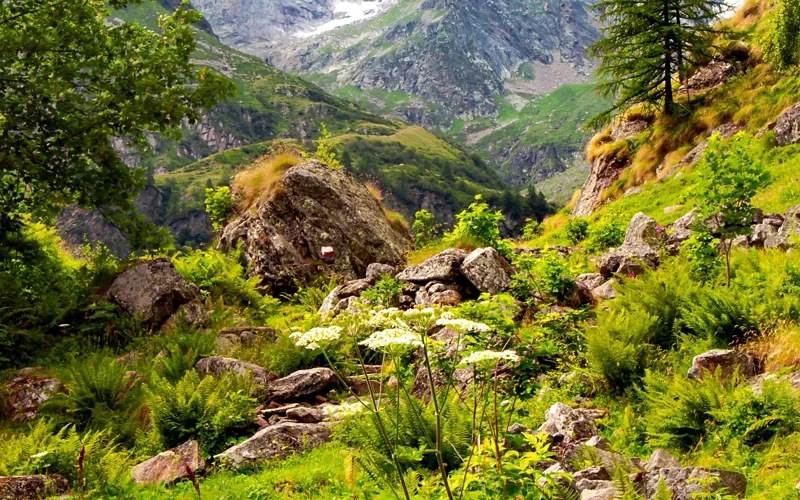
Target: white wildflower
column 312, row 338
column 393, row 340
column 490, row 358
column 384, row 316
column 343, row 410
column 428, row 311
column 463, row 325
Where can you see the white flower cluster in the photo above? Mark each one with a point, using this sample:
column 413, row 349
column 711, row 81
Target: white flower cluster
column 413, row 313
column 384, row 316
column 312, row 338
column 393, row 340
column 463, row 325
column 490, row 357
column 343, row 410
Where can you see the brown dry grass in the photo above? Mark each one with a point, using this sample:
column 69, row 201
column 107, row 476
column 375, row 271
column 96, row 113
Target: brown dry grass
column 262, row 177
column 779, row 348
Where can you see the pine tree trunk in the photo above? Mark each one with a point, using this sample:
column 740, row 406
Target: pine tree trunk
column 668, row 48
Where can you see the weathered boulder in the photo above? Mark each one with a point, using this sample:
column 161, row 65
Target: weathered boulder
column 722, row 362
column 607, row 491
column 683, row 482
column 34, row 487
column 154, row 291
column 764, row 235
column 302, row 384
column 436, row 293
column 594, row 473
column 643, row 230
column 660, row 459
column 444, row 266
column 305, row 415
column 628, row 259
column 314, row 207
column 27, row 393
column 218, row 366
column 787, row 128
column 588, row 282
column 275, row 441
column 571, row 425
column 376, row 270
column 605, row 170
column 681, row 229
column 789, row 229
column 605, row 291
column 487, row 270
column 170, row 466
column 360, row 386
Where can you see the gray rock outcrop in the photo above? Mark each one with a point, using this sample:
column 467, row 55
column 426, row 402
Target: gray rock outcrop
column 487, row 270
column 444, row 266
column 274, row 442
column 302, row 384
column 27, row 392
column 315, row 221
column 34, row 487
column 683, row 482
column 218, row 366
column 170, row 466
column 723, row 363
column 787, row 128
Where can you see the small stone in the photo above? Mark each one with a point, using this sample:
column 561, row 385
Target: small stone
column 598, row 442
column 660, row 459
column 517, row 428
column 594, row 473
column 305, row 415
column 376, row 271
column 487, row 270
column 218, row 366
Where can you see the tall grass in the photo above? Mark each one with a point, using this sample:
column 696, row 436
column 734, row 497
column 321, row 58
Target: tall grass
column 249, row 185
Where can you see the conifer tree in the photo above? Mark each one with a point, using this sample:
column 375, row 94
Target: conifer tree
column 647, row 43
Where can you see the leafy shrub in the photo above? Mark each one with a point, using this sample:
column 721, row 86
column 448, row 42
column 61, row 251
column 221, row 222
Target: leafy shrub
column 99, row 396
column 701, row 249
column 605, row 234
column 106, row 468
column 549, row 278
column 425, row 228
column 281, row 357
column 480, row 224
column 782, row 39
column 212, row 410
column 311, row 296
column 384, row 291
column 576, row 229
column 221, row 276
column 531, row 229
column 325, row 149
column 183, row 353
column 219, row 203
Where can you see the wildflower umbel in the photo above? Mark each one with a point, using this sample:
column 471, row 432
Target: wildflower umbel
column 463, row 325
column 343, row 410
column 393, row 340
column 312, row 338
column 490, row 358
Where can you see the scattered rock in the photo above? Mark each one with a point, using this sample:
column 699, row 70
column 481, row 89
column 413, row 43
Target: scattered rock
column 218, row 366
column 517, row 428
column 354, row 288
column 598, row 442
column 170, row 466
column 660, row 459
column 33, row 487
column 714, row 74
column 642, row 230
column 487, row 270
column 789, row 228
column 463, row 378
column 628, row 259
column 359, row 386
column 275, row 441
column 726, row 362
column 764, row 235
column 588, row 282
column 629, row 128
column 445, row 266
column 193, row 313
column 305, row 415
column 605, row 291
column 787, row 128
column 27, row 393
column 572, row 425
column 607, row 493
column 302, row 384
column 310, row 208
column 682, row 482
column 154, row 291
column 594, row 473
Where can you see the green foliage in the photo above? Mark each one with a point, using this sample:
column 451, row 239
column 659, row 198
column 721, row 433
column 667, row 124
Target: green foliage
column 215, row 411
column 221, row 276
column 531, row 229
column 219, row 203
column 646, row 43
column 183, row 353
column 311, row 296
column 99, row 395
column 731, row 177
column 701, row 250
column 606, row 233
column 325, row 149
column 425, row 228
column 40, row 450
column 619, row 348
column 549, row 277
column 480, row 224
column 782, row 39
column 386, row 289
column 140, row 81
column 577, row 229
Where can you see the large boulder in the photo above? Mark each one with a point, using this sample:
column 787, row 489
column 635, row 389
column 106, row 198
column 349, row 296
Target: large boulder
column 302, row 384
column 686, row 483
column 487, row 270
column 787, row 128
column 787, row 231
column 315, row 221
column 32, row 487
column 218, row 366
column 723, row 363
column 155, row 291
column 170, row 466
column 274, row 442
column 639, row 250
column 27, row 393
column 444, row 266
column 643, row 230
column 588, row 282
column 568, row 424
column 605, row 170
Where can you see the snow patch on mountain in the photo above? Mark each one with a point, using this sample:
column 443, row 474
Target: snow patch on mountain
column 349, row 12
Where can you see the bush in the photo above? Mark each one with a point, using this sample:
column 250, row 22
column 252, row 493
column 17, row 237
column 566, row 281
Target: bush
column 425, row 228
column 311, row 296
column 106, row 468
column 384, row 291
column 215, row 411
column 219, row 203
column 549, row 278
column 605, row 234
column 221, row 276
column 480, row 224
column 782, row 39
column 576, row 229
column 531, row 229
